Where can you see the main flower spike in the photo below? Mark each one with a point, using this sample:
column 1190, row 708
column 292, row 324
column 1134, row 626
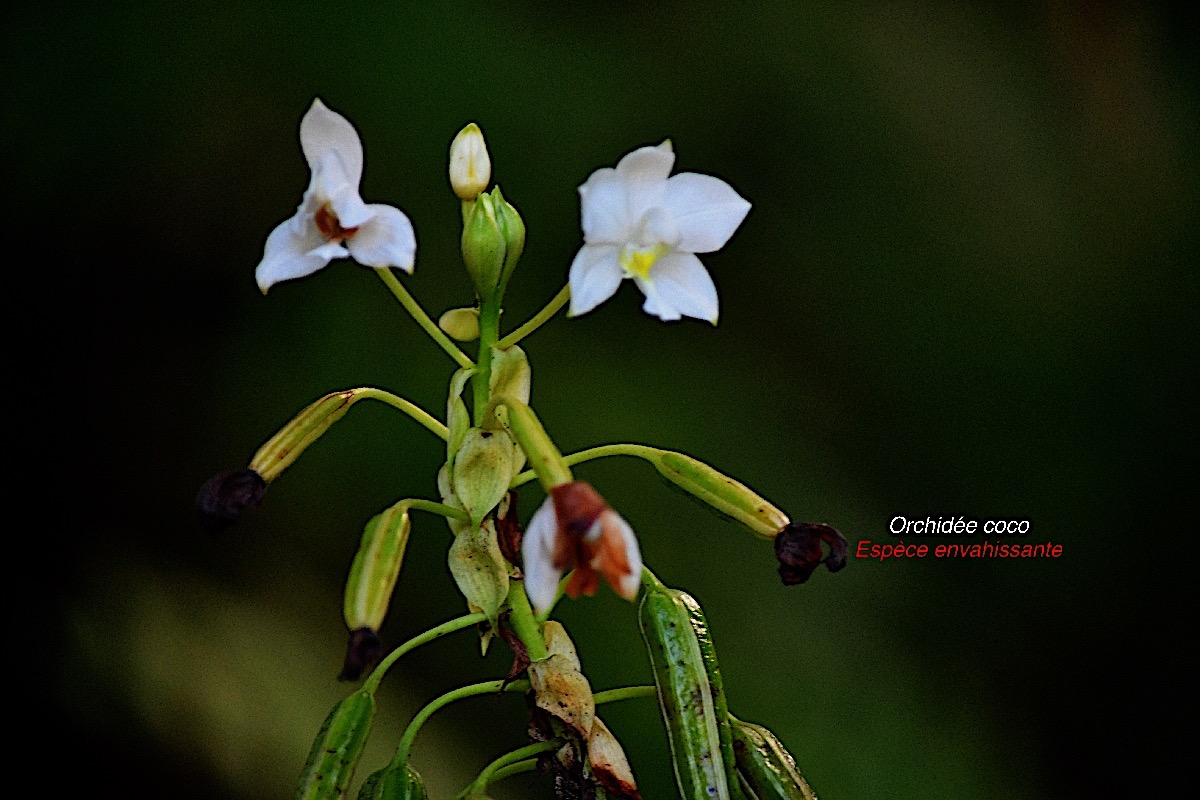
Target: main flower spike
column 639, row 223
column 575, row 529
column 332, row 220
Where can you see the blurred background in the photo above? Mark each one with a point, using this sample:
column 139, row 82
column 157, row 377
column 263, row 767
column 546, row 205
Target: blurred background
column 967, row 287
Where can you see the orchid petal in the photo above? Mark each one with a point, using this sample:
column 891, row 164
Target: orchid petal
column 706, row 209
column 323, row 131
column 594, row 276
column 604, row 208
column 293, row 250
column 537, row 555
column 386, row 239
column 684, row 285
column 627, row 584
column 645, row 172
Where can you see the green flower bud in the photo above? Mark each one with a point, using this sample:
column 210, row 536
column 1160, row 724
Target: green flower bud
column 461, row 324
column 483, row 246
column 513, row 228
column 470, row 164
column 720, row 491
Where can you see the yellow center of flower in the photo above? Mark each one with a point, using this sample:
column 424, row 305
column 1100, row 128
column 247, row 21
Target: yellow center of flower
column 638, row 262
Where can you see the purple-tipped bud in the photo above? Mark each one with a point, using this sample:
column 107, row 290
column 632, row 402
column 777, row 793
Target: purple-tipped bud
column 362, row 653
column 798, row 548
column 223, row 497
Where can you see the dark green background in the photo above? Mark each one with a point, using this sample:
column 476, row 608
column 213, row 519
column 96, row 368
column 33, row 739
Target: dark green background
column 967, row 286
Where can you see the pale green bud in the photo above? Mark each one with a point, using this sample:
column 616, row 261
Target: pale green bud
column 479, row 569
column 470, row 164
column 483, row 469
column 720, row 491
column 483, row 246
column 461, row 324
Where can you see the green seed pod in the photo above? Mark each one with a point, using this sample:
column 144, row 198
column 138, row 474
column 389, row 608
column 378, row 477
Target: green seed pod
column 527, row 429
column 721, row 492
column 393, row 783
column 765, row 764
column 336, row 749
column 278, row 453
column 370, row 583
column 716, row 683
column 685, row 694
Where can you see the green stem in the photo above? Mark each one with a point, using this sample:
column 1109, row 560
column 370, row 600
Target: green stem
column 489, row 329
column 522, row 755
column 604, row 450
column 623, row 693
column 475, row 689
column 537, row 320
column 438, row 508
column 528, row 765
column 456, row 624
column 413, row 308
column 523, row 622
column 416, row 412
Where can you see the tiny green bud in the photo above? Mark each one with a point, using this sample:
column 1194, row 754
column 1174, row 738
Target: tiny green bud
column 470, row 164
column 720, row 491
column 483, row 246
column 461, row 324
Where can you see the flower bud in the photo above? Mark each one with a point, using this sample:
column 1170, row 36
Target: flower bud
column 798, row 549
column 483, row 246
column 470, row 164
column 721, row 492
column 513, row 228
column 461, row 324
column 223, row 497
column 483, row 468
column 479, row 569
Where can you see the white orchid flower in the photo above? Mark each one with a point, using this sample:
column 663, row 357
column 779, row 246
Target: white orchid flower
column 332, row 220
column 641, row 222
column 574, row 529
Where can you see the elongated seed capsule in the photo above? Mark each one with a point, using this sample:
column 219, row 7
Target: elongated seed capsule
column 370, row 583
column 720, row 491
column 278, row 452
column 336, row 749
column 716, row 684
column 766, row 765
column 684, row 693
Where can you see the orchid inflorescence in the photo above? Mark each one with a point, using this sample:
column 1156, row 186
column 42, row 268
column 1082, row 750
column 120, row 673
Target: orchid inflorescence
column 640, row 223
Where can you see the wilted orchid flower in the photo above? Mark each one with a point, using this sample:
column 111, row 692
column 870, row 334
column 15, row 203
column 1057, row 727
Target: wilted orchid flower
column 575, row 529
column 639, row 223
column 332, row 220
